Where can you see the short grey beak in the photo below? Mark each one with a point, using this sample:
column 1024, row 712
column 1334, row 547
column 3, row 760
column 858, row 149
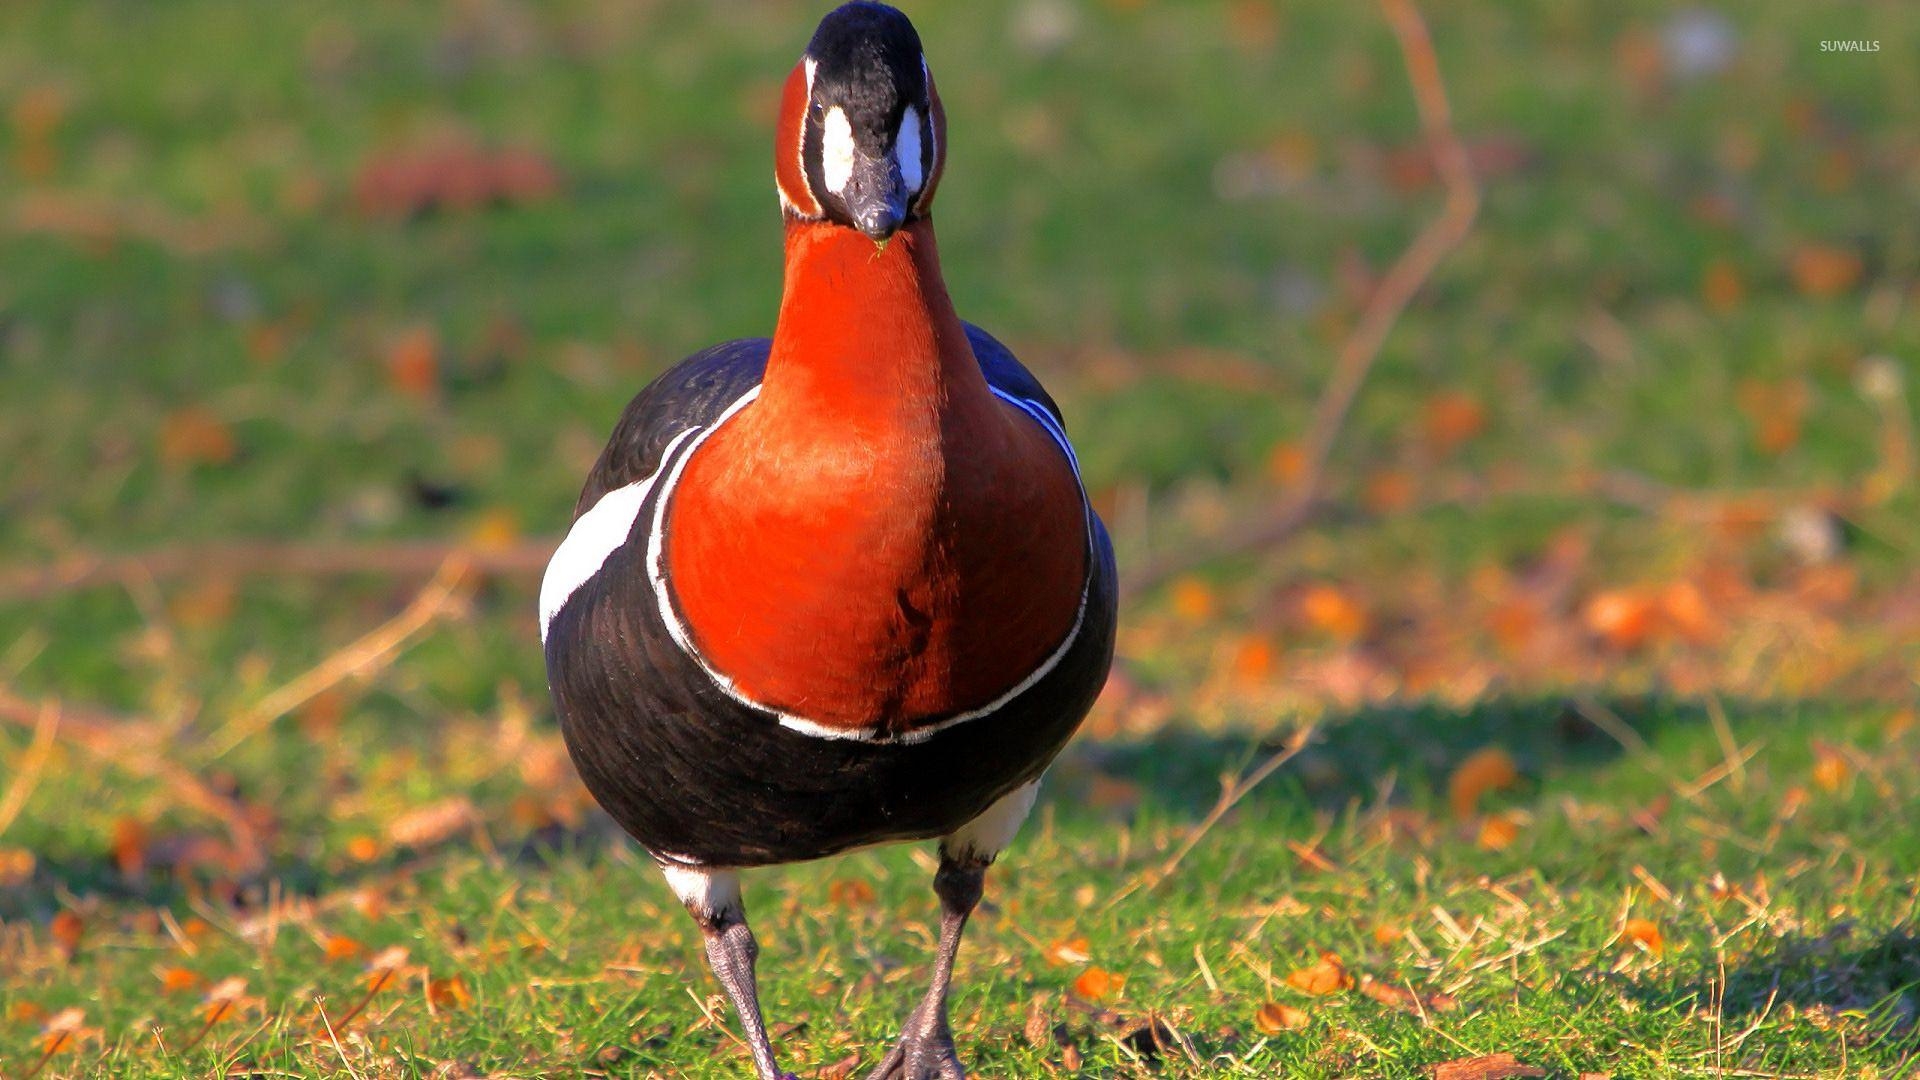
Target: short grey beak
column 876, row 197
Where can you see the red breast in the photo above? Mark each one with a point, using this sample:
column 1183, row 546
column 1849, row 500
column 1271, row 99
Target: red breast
column 877, row 539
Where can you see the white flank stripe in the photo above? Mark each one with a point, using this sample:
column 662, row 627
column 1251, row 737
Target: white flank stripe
column 595, row 536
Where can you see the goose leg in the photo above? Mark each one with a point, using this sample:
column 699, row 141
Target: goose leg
column 713, row 899
column 925, row 1050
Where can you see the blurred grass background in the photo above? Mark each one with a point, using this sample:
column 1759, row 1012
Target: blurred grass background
column 345, row 273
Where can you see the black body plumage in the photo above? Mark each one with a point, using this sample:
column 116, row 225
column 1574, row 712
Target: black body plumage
column 699, row 777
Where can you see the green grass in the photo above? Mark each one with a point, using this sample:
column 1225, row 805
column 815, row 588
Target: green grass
column 1165, row 212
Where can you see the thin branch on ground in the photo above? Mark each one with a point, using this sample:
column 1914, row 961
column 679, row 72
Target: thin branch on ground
column 128, row 744
column 1361, row 348
column 375, row 649
column 1232, row 790
column 32, row 764
column 274, row 558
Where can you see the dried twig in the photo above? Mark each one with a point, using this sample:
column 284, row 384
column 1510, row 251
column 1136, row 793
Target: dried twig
column 265, row 558
column 32, row 764
column 1361, row 348
column 1231, row 792
column 124, row 743
column 371, row 651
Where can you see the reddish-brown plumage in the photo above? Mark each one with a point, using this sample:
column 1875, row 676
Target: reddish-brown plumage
column 877, row 539
column 788, row 133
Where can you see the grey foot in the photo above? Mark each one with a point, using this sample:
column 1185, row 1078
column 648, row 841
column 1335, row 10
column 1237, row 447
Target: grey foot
column 924, row 1052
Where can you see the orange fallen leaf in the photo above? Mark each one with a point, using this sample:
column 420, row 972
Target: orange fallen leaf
column 1286, row 462
column 1068, row 953
column 434, row 823
column 1099, row 984
column 1830, row 768
column 16, row 866
column 1327, row 976
column 1487, row 769
column 413, row 363
column 1275, row 1017
column 25, row 1012
column 850, row 892
column 1498, row 832
column 1334, row 613
column 449, row 993
column 1644, row 933
column 363, row 849
column 1405, row 999
column 1825, row 270
column 1721, row 286
column 1485, row 1067
column 129, row 847
column 342, row 947
column 1387, row 934
column 196, row 435
column 1453, row 419
column 1624, row 619
column 175, row 979
column 1253, row 659
column 1193, row 599
column 1515, row 623
column 1777, row 412
column 1389, row 491
column 67, row 929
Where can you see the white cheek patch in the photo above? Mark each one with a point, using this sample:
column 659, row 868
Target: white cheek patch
column 906, row 150
column 836, row 150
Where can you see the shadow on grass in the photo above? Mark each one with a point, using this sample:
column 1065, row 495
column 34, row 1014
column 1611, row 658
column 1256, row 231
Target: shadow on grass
column 1385, row 750
column 1872, row 980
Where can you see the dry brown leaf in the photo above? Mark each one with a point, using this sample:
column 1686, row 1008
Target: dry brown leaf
column 1389, row 491
column 850, row 892
column 1287, row 462
column 1721, row 286
column 1645, row 934
column 1452, row 419
column 1327, row 976
column 449, row 993
column 1406, row 1000
column 1099, row 984
column 175, row 979
column 1825, row 270
column 413, row 363
column 16, row 866
column 1253, row 657
column 67, row 929
column 1069, row 953
column 1498, row 832
column 1622, row 618
column 433, row 824
column 1831, row 769
column 196, row 435
column 1275, row 1017
column 1485, row 770
column 1485, row 1067
column 1194, row 600
column 1334, row 613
